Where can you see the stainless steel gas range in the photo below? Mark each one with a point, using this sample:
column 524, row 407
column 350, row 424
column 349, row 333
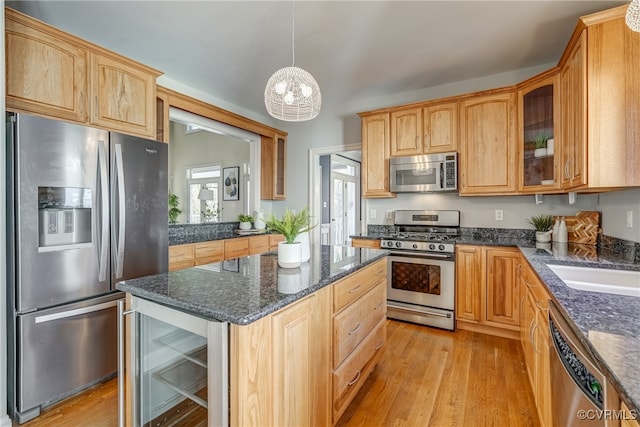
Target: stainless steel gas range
column 421, row 270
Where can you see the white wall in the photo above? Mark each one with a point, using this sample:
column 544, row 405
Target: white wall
column 614, row 207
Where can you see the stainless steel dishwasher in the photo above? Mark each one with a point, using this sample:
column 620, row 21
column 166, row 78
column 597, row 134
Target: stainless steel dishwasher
column 577, row 385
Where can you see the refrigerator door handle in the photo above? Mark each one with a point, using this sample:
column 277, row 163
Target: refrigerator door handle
column 121, row 212
column 104, row 194
column 75, row 312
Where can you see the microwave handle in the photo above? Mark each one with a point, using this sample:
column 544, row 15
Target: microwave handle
column 442, row 175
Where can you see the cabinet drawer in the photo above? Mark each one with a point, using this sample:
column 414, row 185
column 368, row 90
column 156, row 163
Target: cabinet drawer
column 235, row 248
column 274, row 239
column 181, row 253
column 353, row 287
column 207, row 252
column 258, row 244
column 353, row 324
column 173, row 266
column 350, row 376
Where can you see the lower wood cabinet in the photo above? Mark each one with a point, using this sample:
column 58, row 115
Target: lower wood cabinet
column 359, row 331
column 534, row 337
column 280, row 366
column 631, row 419
column 487, row 289
column 192, row 254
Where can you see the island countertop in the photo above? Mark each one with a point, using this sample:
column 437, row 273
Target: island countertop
column 243, row 290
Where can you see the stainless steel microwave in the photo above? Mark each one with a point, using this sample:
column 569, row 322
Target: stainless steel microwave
column 427, row 173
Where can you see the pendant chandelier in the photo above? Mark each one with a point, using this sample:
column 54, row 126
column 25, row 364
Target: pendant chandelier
column 632, row 17
column 292, row 94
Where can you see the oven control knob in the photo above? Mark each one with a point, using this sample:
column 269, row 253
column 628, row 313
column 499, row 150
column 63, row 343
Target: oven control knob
column 441, row 247
column 432, row 246
column 415, row 246
column 397, row 244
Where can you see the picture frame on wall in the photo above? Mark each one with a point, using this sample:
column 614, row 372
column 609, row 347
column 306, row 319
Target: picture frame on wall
column 231, row 183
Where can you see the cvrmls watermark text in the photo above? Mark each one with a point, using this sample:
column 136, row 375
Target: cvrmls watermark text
column 606, row 414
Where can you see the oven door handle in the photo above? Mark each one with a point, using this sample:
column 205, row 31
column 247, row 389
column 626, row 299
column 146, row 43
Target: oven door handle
column 410, row 310
column 422, row 255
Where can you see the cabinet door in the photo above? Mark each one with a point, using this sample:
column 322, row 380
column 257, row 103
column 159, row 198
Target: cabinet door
column 406, row 132
column 487, row 137
column 543, row 374
column 235, row 248
column 181, row 256
column 208, row 252
column 573, row 77
column 469, row 283
column 538, row 141
column 258, row 244
column 440, row 127
column 273, row 152
column 503, row 295
column 123, row 97
column 46, row 71
column 375, row 156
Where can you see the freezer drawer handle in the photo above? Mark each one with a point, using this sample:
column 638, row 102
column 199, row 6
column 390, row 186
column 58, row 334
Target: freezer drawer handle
column 75, row 312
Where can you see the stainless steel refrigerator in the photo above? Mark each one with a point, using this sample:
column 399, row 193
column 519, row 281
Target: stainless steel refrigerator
column 86, row 208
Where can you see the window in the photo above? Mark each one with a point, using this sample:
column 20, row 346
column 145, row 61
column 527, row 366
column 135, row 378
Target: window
column 203, row 188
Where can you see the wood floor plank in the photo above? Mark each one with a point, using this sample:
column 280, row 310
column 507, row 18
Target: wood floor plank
column 429, row 377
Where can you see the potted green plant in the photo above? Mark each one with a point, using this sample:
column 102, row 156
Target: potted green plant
column 174, row 209
column 543, row 224
column 290, row 225
column 245, row 221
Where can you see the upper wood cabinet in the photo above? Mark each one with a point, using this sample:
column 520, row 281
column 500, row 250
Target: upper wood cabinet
column 406, row 132
column 46, row 69
column 123, row 96
column 55, row 74
column 539, row 144
column 440, row 126
column 573, row 80
column 375, row 156
column 487, row 144
column 600, row 93
column 431, row 128
column 273, row 152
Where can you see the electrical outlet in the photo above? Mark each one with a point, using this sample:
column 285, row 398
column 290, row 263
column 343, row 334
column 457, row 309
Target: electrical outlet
column 372, row 213
column 389, row 214
column 499, row 215
column 629, row 219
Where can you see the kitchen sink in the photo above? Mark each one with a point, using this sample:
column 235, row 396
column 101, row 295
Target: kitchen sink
column 620, row 282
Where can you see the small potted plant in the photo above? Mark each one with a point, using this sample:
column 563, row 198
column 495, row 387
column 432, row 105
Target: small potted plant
column 174, row 209
column 245, row 221
column 543, row 224
column 290, row 225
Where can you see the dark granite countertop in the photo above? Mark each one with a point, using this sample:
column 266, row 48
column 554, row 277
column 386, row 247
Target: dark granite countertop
column 180, row 234
column 607, row 324
column 243, row 290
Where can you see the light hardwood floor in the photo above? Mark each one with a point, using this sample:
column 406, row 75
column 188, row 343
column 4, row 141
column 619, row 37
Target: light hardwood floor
column 426, row 377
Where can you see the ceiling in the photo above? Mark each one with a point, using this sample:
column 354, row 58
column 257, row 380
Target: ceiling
column 356, row 50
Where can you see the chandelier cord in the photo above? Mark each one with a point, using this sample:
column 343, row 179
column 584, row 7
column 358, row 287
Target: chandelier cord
column 293, row 33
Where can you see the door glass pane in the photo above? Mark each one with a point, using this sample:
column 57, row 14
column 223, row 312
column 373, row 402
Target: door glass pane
column 173, row 374
column 338, row 212
column 422, row 278
column 350, row 201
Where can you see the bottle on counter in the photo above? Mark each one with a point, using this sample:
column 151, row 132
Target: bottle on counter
column 562, row 232
column 556, row 230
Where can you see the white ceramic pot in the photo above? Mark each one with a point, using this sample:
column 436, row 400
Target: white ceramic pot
column 289, row 254
column 540, row 152
column 550, row 147
column 259, row 224
column 543, row 236
column 245, row 226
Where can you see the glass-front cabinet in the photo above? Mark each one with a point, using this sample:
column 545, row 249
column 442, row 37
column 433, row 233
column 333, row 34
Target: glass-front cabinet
column 180, row 368
column 538, row 146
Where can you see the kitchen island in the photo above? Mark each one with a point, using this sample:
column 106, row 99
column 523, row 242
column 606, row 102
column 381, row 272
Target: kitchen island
column 300, row 341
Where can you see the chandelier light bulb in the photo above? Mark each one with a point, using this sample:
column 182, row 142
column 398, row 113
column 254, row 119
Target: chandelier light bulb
column 632, row 18
column 288, row 98
column 306, row 90
column 280, row 87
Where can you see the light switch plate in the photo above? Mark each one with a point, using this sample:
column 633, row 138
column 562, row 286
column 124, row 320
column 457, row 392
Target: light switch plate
column 629, row 219
column 372, row 213
column 499, row 215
